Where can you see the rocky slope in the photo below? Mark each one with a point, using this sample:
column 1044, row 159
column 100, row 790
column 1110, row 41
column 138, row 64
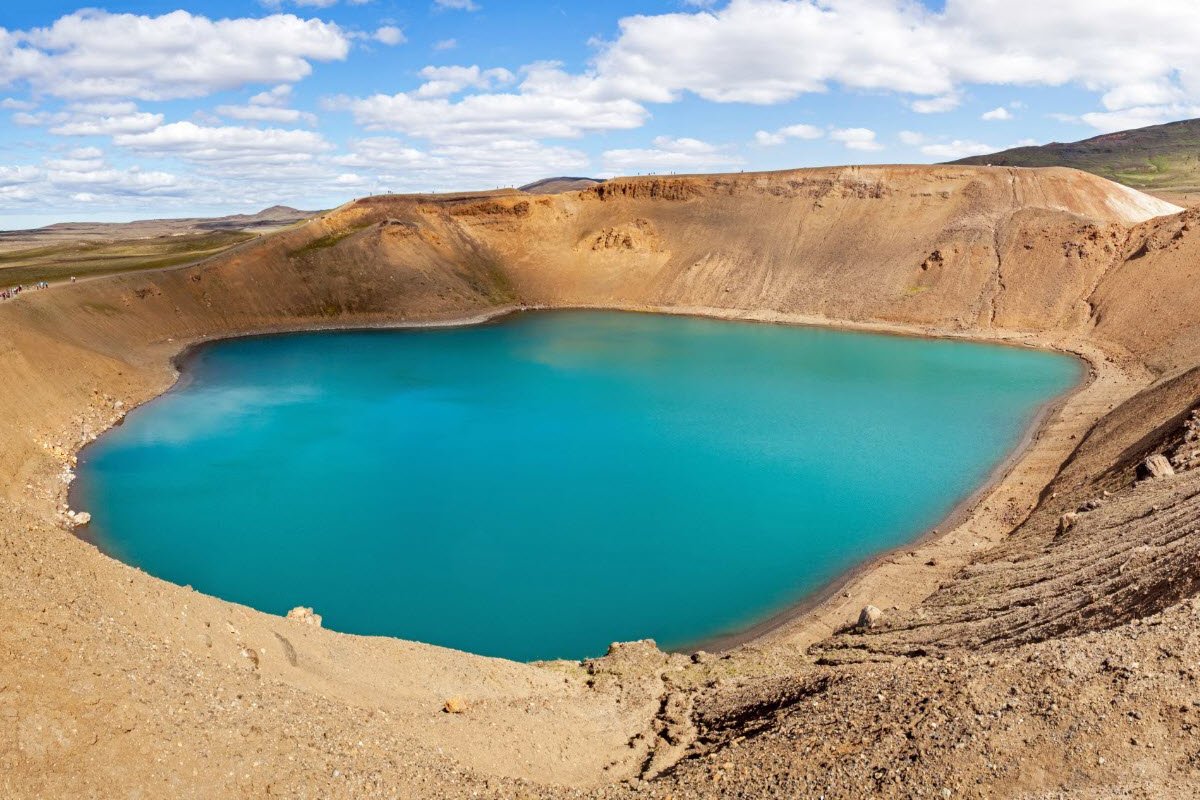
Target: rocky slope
column 1044, row 642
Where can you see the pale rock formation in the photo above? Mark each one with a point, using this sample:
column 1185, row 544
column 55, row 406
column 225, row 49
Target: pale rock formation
column 305, row 615
column 1157, row 466
column 871, row 617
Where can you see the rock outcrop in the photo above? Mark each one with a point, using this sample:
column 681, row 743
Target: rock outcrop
column 305, row 615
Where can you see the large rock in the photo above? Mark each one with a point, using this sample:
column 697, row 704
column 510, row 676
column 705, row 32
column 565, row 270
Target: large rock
column 1157, row 466
column 870, row 617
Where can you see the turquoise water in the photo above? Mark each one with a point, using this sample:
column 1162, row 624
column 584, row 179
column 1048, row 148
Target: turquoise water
column 542, row 486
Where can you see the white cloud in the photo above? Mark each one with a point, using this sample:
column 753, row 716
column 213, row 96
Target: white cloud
column 92, row 119
column 670, row 154
column 937, row 105
column 268, row 106
column 1138, row 117
column 308, row 3
column 15, row 175
column 772, row 139
column 95, row 54
column 276, row 96
column 261, row 113
column 912, row 138
column 83, row 175
column 225, row 145
column 395, row 165
column 856, row 138
column 445, row 81
column 959, row 148
column 389, row 35
column 998, row 113
column 13, row 104
column 548, row 103
column 458, row 5
column 770, row 51
column 445, row 44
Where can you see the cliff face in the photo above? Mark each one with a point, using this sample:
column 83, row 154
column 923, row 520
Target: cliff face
column 1050, row 257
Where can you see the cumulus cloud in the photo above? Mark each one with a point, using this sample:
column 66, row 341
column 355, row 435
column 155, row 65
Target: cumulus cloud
column 95, row 54
column 856, row 138
column 959, row 148
column 1136, row 117
column 256, row 113
column 305, row 3
column 389, row 35
column 396, row 165
column 770, row 51
column 670, row 153
column 444, row 81
column 224, row 145
column 92, row 119
column 998, row 113
column 268, row 106
column 772, row 139
column 548, row 103
column 83, row 174
column 937, row 105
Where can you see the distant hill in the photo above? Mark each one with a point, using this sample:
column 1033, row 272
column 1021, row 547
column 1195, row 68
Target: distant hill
column 85, row 249
column 1157, row 158
column 268, row 219
column 557, row 185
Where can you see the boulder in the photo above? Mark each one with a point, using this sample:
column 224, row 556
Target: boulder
column 455, row 705
column 1157, row 466
column 305, row 615
column 870, row 617
column 1067, row 521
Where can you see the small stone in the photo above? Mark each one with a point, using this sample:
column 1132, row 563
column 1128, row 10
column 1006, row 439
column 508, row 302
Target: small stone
column 870, row 617
column 455, row 705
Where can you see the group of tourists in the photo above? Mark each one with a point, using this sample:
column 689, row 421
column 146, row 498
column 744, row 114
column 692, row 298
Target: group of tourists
column 13, row 291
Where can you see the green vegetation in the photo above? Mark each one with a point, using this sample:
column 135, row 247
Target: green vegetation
column 1160, row 157
column 329, row 240
column 89, row 259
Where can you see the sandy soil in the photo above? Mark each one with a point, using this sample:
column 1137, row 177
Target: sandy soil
column 1017, row 656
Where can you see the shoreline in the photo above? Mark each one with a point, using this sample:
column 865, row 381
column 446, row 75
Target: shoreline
column 960, row 513
column 803, row 611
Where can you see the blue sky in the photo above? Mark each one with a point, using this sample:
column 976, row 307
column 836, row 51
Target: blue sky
column 209, row 107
